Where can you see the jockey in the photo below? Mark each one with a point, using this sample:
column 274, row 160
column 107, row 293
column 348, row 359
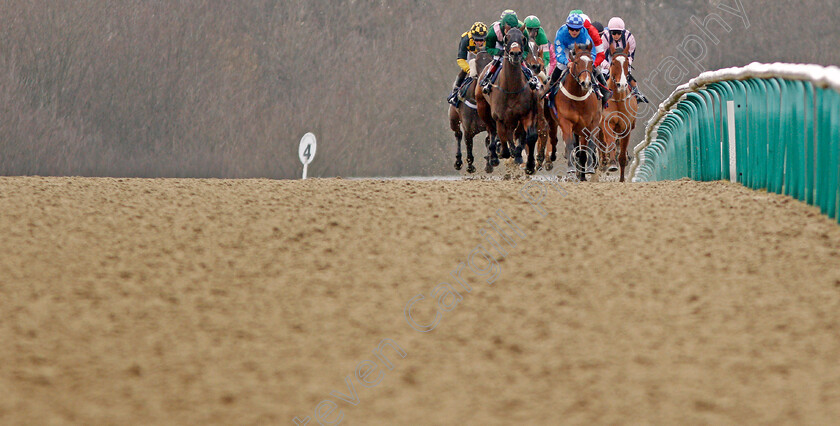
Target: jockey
column 566, row 37
column 471, row 43
column 601, row 44
column 536, row 33
column 620, row 38
column 495, row 47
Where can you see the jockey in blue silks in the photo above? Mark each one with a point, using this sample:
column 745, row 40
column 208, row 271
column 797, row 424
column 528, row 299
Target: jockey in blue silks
column 564, row 41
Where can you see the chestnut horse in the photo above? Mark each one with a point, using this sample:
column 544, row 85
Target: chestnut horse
column 578, row 111
column 620, row 116
column 464, row 120
column 511, row 104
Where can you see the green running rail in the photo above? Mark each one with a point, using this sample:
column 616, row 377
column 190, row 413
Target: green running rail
column 768, row 126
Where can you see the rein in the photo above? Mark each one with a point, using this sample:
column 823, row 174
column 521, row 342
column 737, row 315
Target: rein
column 507, row 57
column 629, row 92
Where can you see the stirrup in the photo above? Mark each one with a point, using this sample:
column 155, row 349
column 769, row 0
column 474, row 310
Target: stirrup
column 640, row 97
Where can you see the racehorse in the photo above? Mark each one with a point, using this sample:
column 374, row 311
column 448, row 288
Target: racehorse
column 578, row 111
column 464, row 120
column 619, row 119
column 510, row 105
column 536, row 64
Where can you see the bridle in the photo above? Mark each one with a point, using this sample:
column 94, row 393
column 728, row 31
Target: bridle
column 578, row 75
column 515, row 58
column 623, row 72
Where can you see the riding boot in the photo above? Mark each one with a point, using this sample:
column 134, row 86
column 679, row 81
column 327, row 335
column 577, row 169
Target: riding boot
column 453, row 97
column 602, row 87
column 488, row 76
column 556, row 75
column 532, row 79
column 635, row 90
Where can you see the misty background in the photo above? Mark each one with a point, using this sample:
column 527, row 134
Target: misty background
column 201, row 88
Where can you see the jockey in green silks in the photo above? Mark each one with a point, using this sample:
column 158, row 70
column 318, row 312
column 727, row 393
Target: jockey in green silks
column 495, row 47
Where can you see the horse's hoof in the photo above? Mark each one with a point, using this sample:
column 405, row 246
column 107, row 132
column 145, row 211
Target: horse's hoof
column 529, row 171
column 488, row 168
column 458, row 164
column 470, row 168
column 553, row 157
column 494, row 162
column 549, row 166
column 613, row 167
column 518, row 160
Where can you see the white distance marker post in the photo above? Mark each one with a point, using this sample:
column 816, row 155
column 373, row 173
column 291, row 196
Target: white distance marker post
column 306, row 151
column 733, row 152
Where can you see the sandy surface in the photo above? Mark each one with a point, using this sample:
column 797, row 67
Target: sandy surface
column 249, row 302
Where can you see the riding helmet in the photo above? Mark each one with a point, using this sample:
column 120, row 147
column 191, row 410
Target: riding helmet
column 506, row 13
column 575, row 21
column 478, row 31
column 511, row 19
column 616, row 24
column 532, row 22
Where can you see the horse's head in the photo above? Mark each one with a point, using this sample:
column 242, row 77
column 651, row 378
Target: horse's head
column 581, row 65
column 515, row 45
column 534, row 62
column 620, row 70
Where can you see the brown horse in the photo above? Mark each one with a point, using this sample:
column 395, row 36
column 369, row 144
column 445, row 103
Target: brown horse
column 578, row 112
column 619, row 119
column 510, row 105
column 464, row 120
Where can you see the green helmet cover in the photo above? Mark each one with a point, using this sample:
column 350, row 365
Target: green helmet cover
column 511, row 19
column 532, row 22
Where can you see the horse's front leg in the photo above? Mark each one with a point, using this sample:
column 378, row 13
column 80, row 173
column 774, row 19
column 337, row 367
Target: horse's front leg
column 568, row 139
column 469, row 143
column 606, row 145
column 531, row 140
column 455, row 125
column 542, row 138
column 504, row 135
column 518, row 144
column 492, row 158
column 622, row 155
column 613, row 147
column 551, row 129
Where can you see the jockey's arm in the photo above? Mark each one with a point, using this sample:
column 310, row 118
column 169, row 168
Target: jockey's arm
column 553, row 62
column 490, row 43
column 463, row 48
column 543, row 48
column 560, row 50
column 631, row 47
column 597, row 43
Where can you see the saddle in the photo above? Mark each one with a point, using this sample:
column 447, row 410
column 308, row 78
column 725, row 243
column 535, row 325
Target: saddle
column 462, row 92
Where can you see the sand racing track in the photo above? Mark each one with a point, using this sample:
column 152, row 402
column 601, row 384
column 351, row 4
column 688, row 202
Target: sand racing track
column 253, row 301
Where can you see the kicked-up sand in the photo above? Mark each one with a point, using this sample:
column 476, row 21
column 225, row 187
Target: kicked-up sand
column 128, row 301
